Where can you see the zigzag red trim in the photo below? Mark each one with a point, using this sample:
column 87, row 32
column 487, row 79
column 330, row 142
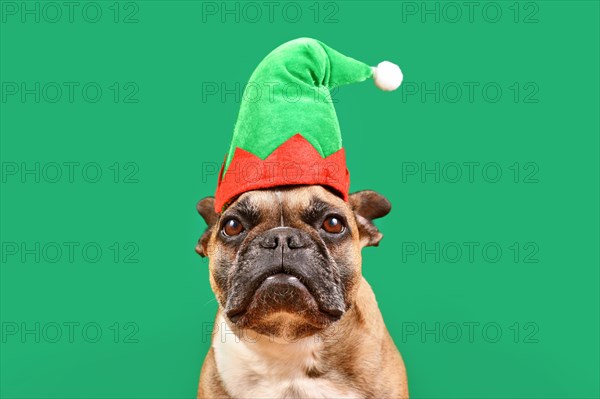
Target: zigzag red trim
column 295, row 162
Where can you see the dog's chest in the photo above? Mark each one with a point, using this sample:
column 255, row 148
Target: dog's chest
column 255, row 370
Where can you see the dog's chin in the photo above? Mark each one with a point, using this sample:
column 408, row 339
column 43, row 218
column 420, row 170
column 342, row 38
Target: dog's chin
column 282, row 306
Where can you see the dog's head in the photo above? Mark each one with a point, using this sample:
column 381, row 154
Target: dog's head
column 287, row 261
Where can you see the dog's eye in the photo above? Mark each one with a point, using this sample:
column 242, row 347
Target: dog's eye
column 333, row 225
column 232, row 227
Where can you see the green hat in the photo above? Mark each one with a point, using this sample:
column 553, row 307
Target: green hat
column 287, row 132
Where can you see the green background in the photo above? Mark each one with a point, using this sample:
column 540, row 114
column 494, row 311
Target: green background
column 167, row 133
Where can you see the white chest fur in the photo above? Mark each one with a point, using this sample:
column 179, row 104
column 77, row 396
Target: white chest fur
column 264, row 369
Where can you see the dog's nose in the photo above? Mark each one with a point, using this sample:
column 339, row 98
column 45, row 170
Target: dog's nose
column 283, row 237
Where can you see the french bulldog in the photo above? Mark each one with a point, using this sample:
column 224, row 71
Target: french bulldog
column 296, row 318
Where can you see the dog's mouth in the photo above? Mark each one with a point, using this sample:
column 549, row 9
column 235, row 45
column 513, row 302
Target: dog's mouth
column 282, row 292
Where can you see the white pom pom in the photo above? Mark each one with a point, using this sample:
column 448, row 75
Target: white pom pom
column 387, row 75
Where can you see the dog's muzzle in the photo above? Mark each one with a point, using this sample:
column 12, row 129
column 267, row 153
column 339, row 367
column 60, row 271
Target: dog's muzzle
column 285, row 269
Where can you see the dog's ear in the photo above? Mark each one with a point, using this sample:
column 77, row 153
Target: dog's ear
column 206, row 209
column 368, row 205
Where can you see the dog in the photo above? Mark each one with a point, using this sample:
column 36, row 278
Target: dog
column 296, row 318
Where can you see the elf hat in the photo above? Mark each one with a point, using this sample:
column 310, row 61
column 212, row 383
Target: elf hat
column 287, row 132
